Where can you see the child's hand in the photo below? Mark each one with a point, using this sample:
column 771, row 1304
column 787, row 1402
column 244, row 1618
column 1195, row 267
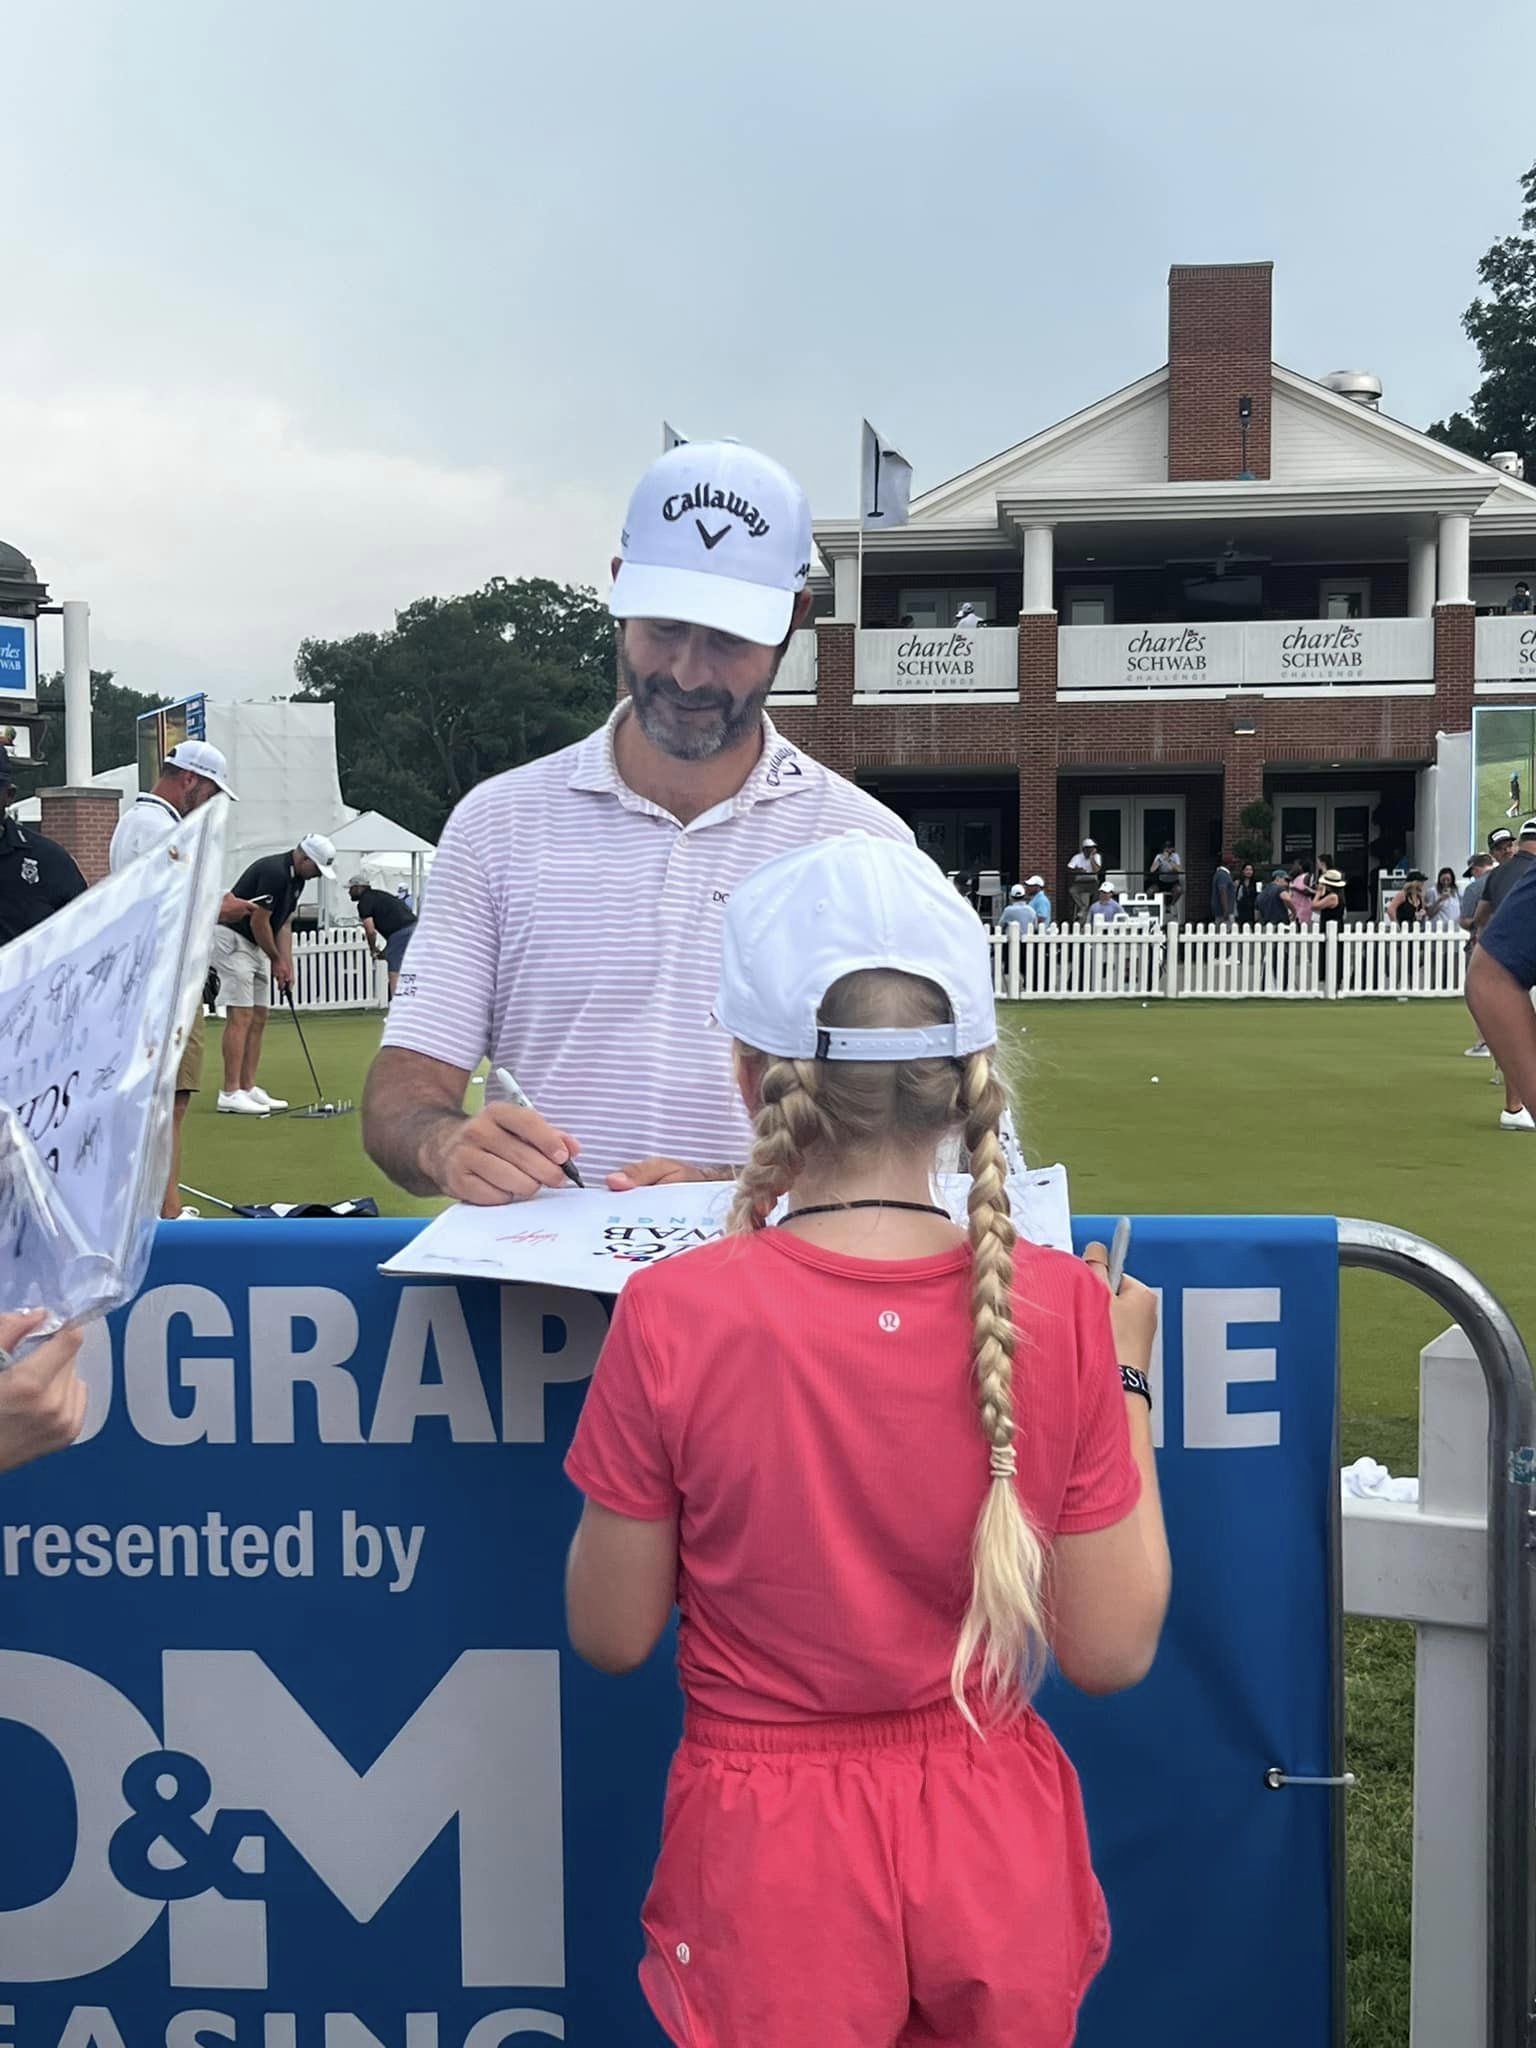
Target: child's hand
column 1132, row 1313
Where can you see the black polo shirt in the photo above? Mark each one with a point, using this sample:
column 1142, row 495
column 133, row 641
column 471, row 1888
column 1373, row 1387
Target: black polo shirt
column 272, row 876
column 389, row 914
column 37, row 877
column 1502, row 879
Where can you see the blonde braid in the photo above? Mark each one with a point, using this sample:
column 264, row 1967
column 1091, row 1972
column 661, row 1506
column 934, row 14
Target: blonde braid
column 787, row 1125
column 1005, row 1618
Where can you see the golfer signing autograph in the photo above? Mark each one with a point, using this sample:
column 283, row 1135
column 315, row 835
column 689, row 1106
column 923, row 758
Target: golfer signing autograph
column 572, row 930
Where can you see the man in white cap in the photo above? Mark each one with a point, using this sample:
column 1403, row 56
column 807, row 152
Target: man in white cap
column 1035, row 896
column 1086, row 868
column 1020, row 910
column 572, row 932
column 191, row 775
column 253, row 954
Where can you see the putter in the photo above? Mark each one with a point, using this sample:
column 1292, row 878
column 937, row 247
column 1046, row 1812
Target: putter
column 319, row 1107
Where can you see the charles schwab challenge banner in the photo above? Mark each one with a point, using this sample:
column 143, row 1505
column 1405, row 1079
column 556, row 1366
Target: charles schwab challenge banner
column 1269, row 653
column 294, row 1755
column 18, row 659
column 924, row 658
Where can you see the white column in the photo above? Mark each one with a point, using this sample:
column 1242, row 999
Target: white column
column 77, row 693
column 845, row 588
column 1455, row 554
column 1039, row 569
column 1421, row 575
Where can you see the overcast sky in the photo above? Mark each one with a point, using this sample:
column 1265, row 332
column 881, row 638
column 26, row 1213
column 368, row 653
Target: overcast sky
column 314, row 307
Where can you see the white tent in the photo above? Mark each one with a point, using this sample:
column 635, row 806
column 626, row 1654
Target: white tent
column 392, row 857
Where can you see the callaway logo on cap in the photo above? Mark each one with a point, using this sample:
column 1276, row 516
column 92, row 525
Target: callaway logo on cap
column 716, row 535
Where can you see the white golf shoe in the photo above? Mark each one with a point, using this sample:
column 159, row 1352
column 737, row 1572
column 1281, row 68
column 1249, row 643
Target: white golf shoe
column 1516, row 1120
column 238, row 1102
column 264, row 1100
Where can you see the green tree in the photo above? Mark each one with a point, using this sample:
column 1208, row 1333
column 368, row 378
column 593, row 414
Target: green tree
column 1502, row 326
column 114, row 732
column 461, row 688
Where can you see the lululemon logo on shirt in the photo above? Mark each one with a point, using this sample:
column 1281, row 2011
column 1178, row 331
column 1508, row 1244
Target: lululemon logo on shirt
column 890, row 1322
column 684, row 1953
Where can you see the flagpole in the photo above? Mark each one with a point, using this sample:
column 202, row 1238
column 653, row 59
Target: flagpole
column 858, row 587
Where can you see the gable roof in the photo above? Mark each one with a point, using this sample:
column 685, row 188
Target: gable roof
column 1121, row 443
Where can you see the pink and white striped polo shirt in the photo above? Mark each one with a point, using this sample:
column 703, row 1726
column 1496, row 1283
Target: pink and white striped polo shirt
column 571, row 932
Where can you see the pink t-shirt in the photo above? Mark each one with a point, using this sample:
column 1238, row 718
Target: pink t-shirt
column 811, row 1421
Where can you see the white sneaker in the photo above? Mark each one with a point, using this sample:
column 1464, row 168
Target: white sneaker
column 264, row 1100
column 1477, row 1052
column 1516, row 1120
column 236, row 1102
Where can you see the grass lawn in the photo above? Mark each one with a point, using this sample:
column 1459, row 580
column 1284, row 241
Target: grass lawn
column 1353, row 1109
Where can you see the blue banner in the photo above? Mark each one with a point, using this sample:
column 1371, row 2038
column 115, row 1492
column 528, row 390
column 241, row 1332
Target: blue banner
column 293, row 1754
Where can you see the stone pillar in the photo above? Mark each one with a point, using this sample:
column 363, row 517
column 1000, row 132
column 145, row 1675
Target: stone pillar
column 1039, row 575
column 82, row 821
column 834, row 695
column 1038, row 852
column 1455, row 559
column 845, row 588
column 1455, row 665
column 1242, row 764
column 1421, row 575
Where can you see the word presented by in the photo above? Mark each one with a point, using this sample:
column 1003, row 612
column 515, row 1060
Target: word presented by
column 213, row 1549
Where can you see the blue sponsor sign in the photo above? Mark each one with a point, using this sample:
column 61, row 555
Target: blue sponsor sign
column 293, row 1754
column 18, row 658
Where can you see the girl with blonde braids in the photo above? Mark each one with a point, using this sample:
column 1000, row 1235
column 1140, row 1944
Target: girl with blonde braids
column 883, row 1467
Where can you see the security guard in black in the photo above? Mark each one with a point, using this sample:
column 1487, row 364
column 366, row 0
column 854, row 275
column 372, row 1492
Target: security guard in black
column 272, row 883
column 37, row 877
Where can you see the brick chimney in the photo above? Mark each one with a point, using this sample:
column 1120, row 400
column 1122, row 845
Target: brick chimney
column 1219, row 352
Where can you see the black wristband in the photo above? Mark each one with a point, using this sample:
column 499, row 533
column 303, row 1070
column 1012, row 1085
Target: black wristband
column 1135, row 1382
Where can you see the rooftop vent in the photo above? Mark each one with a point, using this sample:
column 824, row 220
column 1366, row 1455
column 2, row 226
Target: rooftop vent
column 1363, row 387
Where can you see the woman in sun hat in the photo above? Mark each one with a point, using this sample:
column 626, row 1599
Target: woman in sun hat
column 846, row 1443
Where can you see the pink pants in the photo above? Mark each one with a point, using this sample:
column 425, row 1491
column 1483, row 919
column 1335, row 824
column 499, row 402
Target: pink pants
column 872, row 1884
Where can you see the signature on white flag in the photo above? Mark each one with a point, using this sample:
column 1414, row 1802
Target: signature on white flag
column 95, row 1007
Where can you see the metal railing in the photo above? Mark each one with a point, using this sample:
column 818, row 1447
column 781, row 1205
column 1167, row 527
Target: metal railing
column 1510, row 1729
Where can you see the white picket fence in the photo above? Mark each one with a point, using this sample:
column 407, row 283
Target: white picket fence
column 334, row 970
column 1078, row 963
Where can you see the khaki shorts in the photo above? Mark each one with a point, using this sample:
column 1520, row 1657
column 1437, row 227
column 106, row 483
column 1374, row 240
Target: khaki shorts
column 245, row 972
column 189, row 1075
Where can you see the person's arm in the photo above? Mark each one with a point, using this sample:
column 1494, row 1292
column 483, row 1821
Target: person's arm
column 416, row 1130
column 621, row 1578
column 42, row 1397
column 1110, row 1586
column 234, row 908
column 620, row 1588
column 375, row 943
column 274, row 944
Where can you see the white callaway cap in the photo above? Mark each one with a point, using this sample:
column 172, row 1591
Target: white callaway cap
column 321, row 852
column 716, row 535
column 833, row 908
column 200, row 759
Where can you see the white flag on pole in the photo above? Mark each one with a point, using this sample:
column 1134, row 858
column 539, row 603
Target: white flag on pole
column 885, row 483
column 671, row 438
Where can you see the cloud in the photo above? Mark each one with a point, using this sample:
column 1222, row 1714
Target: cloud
column 211, row 532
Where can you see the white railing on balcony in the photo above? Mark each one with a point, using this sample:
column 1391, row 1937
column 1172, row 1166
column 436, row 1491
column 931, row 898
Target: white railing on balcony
column 920, row 660
column 1075, row 963
column 797, row 671
column 1506, row 650
column 1266, row 654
